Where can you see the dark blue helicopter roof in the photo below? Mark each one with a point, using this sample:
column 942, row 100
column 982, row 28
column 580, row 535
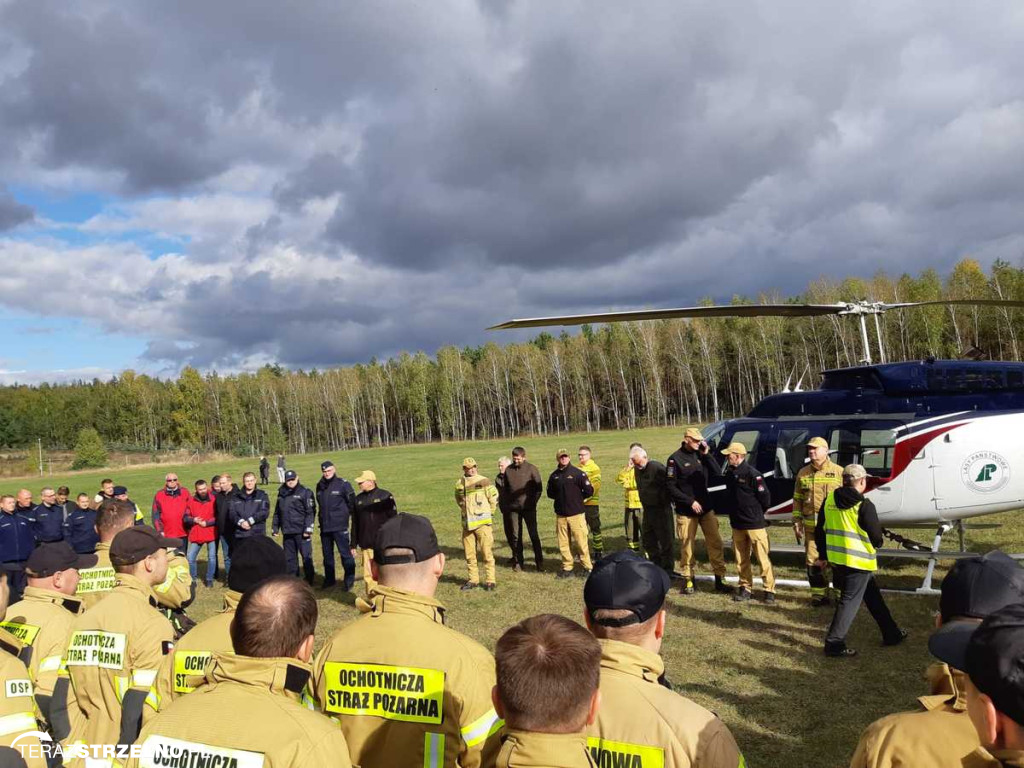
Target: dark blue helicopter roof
column 918, row 387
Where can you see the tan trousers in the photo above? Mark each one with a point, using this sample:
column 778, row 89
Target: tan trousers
column 572, row 534
column 482, row 537
column 367, row 573
column 686, row 532
column 747, row 543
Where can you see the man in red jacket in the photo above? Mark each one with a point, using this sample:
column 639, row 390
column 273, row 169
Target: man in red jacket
column 169, row 508
column 201, row 521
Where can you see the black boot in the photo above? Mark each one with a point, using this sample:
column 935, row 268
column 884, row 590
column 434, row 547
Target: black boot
column 721, row 586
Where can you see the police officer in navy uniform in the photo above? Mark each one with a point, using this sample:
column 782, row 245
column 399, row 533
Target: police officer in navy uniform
column 294, row 516
column 49, row 518
column 16, row 543
column 336, row 500
column 80, row 526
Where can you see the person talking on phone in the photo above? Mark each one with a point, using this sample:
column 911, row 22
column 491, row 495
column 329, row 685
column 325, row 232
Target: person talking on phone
column 687, row 470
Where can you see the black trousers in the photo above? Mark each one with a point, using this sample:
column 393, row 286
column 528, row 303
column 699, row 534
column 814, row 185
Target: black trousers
column 513, row 520
column 328, row 541
column 656, row 531
column 857, row 587
column 295, row 546
column 16, row 579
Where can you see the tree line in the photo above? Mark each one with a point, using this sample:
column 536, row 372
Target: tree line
column 609, row 377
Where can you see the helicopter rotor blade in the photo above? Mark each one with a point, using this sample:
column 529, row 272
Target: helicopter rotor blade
column 957, row 302
column 729, row 310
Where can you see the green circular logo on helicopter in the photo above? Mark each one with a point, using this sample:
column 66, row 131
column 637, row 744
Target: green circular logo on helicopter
column 985, row 472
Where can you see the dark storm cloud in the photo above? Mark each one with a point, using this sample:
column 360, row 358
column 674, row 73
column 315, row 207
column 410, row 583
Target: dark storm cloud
column 12, row 213
column 430, row 169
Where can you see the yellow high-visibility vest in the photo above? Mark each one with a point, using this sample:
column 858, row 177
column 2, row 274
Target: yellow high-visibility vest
column 846, row 542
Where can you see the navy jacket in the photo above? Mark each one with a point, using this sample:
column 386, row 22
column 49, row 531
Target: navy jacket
column 568, row 488
column 687, row 473
column 16, row 538
column 295, row 510
column 255, row 508
column 335, row 499
column 746, row 497
column 80, row 531
column 49, row 523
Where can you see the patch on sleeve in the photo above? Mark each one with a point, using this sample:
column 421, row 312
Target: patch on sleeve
column 14, row 688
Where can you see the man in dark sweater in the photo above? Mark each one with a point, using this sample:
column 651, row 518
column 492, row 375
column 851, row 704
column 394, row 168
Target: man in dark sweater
column 746, row 499
column 519, row 490
column 568, row 486
column 848, row 533
column 374, row 507
column 656, row 523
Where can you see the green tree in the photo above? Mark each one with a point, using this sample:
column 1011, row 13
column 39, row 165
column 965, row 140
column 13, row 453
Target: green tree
column 89, row 450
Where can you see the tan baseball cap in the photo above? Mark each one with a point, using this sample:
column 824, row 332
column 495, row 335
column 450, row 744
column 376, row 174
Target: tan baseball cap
column 739, row 448
column 562, row 452
column 817, row 442
column 693, row 433
column 854, row 471
column 367, row 475
column 468, row 462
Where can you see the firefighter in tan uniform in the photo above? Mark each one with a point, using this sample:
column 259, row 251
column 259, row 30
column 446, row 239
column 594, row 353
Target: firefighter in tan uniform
column 117, row 646
column 477, row 498
column 548, row 669
column 253, row 560
column 174, row 594
column 17, row 704
column 992, row 658
column 642, row 721
column 940, row 733
column 43, row 619
column 249, row 714
column 814, row 482
column 406, row 689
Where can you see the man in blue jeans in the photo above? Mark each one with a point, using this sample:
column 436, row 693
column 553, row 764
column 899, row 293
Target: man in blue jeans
column 200, row 520
column 335, row 499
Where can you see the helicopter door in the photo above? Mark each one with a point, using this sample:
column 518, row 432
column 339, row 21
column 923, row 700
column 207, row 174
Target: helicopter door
column 872, row 444
column 790, row 455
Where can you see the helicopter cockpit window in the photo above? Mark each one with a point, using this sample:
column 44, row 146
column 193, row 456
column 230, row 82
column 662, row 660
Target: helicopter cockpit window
column 871, row 447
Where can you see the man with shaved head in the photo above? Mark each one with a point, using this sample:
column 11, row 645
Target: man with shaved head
column 249, row 712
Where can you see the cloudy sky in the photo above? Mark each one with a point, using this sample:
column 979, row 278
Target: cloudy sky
column 229, row 183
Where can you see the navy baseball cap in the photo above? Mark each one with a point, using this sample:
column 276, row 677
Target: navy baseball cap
column 405, row 531
column 325, row 464
column 993, row 657
column 254, row 559
column 625, row 581
column 47, row 559
column 978, row 586
column 290, row 475
column 137, row 543
column 119, row 490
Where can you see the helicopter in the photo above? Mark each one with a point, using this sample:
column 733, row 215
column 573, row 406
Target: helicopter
column 940, row 439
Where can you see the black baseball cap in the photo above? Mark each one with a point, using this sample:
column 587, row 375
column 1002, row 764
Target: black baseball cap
column 137, row 543
column 290, row 475
column 119, row 489
column 625, row 581
column 325, row 464
column 254, row 559
column 405, row 531
column 993, row 657
column 978, row 586
column 47, row 559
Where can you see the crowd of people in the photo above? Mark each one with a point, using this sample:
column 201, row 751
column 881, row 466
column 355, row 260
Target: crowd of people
column 97, row 651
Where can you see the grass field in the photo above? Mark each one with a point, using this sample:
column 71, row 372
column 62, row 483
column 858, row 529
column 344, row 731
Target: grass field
column 760, row 668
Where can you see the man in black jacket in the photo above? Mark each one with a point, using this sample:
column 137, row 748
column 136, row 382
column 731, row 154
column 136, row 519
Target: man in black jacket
column 568, row 486
column 248, row 509
column 374, row 507
column 294, row 515
column 335, row 499
column 656, row 523
column 223, row 489
column 848, row 533
column 687, row 471
column 746, row 499
column 519, row 490
column 264, row 470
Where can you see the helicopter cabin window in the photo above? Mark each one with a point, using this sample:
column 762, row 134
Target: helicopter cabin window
column 749, row 440
column 871, row 446
column 791, row 449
